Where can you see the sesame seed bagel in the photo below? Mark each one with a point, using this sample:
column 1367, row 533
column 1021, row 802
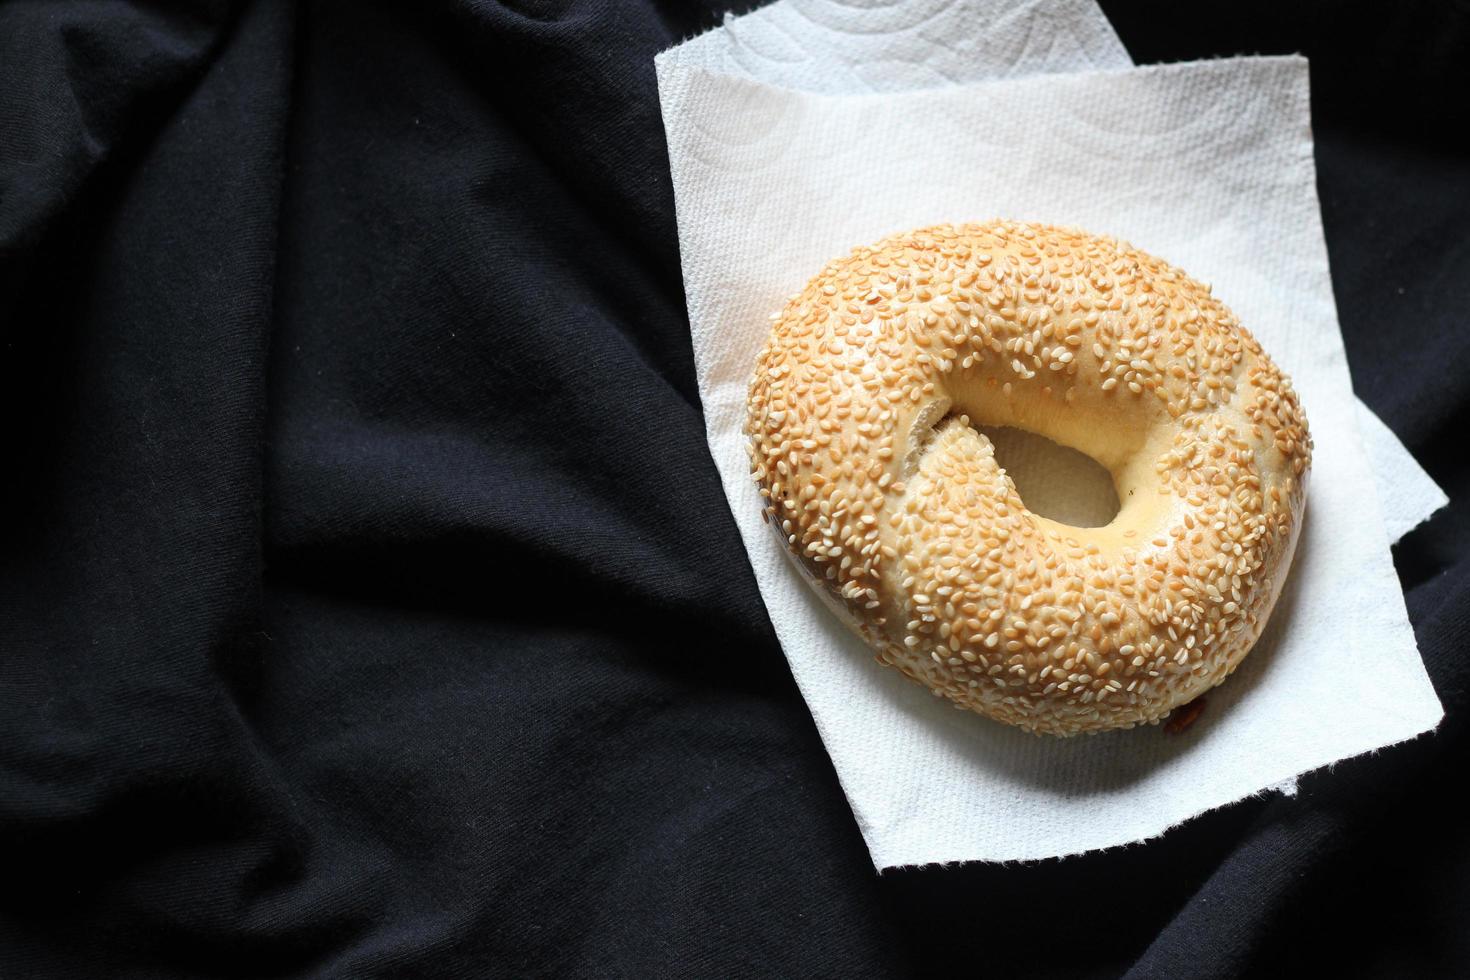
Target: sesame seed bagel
column 861, row 444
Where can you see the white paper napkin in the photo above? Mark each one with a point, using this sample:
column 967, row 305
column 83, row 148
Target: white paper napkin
column 847, row 47
column 1407, row 494
column 1199, row 163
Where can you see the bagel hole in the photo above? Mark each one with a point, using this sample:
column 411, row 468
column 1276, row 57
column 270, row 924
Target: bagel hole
column 1054, row 481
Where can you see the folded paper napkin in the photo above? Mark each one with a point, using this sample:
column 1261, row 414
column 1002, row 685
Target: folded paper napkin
column 1198, row 163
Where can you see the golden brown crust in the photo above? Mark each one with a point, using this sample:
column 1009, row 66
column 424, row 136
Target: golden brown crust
column 860, row 443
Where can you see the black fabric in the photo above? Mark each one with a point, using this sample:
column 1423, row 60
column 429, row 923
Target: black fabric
column 369, row 605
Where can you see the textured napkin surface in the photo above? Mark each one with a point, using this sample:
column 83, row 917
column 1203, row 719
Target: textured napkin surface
column 846, row 47
column 1407, row 494
column 1199, row 163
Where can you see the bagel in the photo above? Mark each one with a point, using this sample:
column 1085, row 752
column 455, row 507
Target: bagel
column 861, row 444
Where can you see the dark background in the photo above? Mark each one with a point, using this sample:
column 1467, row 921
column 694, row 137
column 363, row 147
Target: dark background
column 369, row 605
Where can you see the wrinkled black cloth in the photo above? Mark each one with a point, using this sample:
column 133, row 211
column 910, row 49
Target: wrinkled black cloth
column 369, row 604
